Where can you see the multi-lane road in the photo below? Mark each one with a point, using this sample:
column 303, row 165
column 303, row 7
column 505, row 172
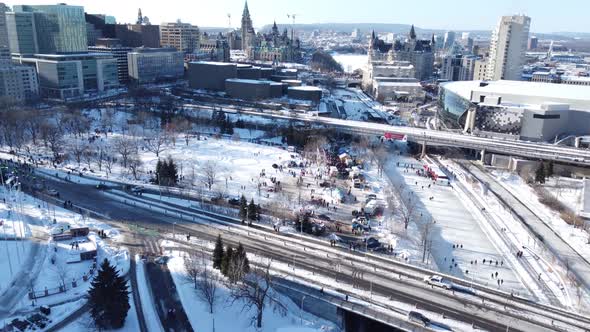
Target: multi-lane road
column 488, row 309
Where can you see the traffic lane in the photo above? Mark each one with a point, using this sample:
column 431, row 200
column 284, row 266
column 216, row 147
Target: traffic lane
column 88, row 197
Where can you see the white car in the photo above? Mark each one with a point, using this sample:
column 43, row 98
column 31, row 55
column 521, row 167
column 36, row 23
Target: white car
column 53, row 192
column 438, row 281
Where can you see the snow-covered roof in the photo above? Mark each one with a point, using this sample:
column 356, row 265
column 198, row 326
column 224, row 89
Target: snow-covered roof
column 305, row 88
column 524, row 92
column 242, row 80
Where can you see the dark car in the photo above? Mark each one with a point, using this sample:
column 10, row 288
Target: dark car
column 419, row 318
column 234, row 201
column 324, row 217
column 325, row 184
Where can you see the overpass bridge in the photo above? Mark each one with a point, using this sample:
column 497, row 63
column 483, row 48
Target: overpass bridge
column 531, row 150
column 426, row 137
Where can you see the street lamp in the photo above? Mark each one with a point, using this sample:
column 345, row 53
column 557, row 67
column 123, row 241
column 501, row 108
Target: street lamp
column 173, row 234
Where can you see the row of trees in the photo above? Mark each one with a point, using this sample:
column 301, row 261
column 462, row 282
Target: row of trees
column 250, row 212
column 252, row 288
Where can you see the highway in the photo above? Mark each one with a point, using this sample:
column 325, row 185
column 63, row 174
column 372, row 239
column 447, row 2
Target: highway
column 380, row 273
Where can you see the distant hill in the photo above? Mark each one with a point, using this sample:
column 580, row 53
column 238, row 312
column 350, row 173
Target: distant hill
column 399, row 29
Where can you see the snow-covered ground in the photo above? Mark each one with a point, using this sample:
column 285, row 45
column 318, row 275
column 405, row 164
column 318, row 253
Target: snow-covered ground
column 456, row 235
column 351, row 62
column 45, row 263
column 85, row 322
column 230, row 318
column 576, row 237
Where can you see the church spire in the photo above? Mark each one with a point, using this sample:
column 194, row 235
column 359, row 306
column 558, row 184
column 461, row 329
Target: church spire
column 139, row 17
column 433, row 40
column 246, row 11
column 373, row 35
column 412, row 33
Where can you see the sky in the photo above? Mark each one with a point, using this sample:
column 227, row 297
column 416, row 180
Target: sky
column 546, row 15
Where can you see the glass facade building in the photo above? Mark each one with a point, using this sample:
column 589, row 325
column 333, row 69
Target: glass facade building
column 59, row 28
column 453, row 108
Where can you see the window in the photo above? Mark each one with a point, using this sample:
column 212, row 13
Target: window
column 482, row 99
column 546, row 116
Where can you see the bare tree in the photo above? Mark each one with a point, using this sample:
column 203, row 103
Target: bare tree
column 314, row 149
column 256, row 291
column 78, row 149
column 125, row 147
column 53, row 138
column 107, row 119
column 135, row 165
column 209, row 170
column 156, row 142
column 207, row 287
column 407, row 208
column 61, row 271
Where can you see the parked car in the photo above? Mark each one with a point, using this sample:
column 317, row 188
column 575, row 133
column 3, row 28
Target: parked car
column 233, row 201
column 438, row 281
column 416, row 317
column 137, row 190
column 53, row 192
column 325, row 184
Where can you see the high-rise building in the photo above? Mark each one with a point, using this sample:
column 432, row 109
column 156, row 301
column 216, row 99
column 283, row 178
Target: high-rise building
column 184, row 37
column 458, row 67
column 3, row 29
column 59, row 28
column 449, row 39
column 18, row 83
column 119, row 52
column 152, row 65
column 22, row 33
column 508, row 47
column 533, row 43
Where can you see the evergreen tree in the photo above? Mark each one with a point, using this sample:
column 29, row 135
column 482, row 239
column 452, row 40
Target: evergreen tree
column 227, row 260
column 243, row 208
column 108, row 298
column 540, row 174
column 218, row 253
column 241, row 255
column 549, row 169
column 252, row 210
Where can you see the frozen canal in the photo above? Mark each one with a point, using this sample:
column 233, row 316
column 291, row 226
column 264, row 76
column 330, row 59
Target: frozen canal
column 454, row 226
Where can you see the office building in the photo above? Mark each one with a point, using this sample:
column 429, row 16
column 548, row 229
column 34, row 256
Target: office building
column 533, row 43
column 252, row 89
column 70, row 76
column 527, row 110
column 184, row 37
column 18, row 83
column 458, row 67
column 211, row 75
column 507, row 48
column 119, row 52
column 449, row 39
column 22, row 33
column 59, row 28
column 149, row 65
column 3, row 29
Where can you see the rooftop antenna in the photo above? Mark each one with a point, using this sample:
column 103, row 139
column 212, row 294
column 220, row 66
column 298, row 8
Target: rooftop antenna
column 229, row 20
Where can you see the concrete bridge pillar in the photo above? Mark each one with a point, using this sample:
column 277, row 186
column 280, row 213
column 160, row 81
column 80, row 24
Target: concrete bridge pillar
column 423, row 152
column 483, row 157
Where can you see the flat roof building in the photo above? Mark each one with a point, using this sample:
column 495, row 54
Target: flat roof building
column 211, row 75
column 530, row 110
column 148, row 65
column 72, row 75
column 184, row 37
column 253, row 89
column 311, row 93
column 119, row 52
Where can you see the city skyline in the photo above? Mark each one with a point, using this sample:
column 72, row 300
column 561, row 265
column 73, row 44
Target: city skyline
column 428, row 14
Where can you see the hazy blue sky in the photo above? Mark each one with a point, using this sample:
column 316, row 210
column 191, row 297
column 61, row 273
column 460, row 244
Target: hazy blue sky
column 547, row 15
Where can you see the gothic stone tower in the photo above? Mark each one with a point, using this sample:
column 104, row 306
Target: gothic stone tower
column 247, row 29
